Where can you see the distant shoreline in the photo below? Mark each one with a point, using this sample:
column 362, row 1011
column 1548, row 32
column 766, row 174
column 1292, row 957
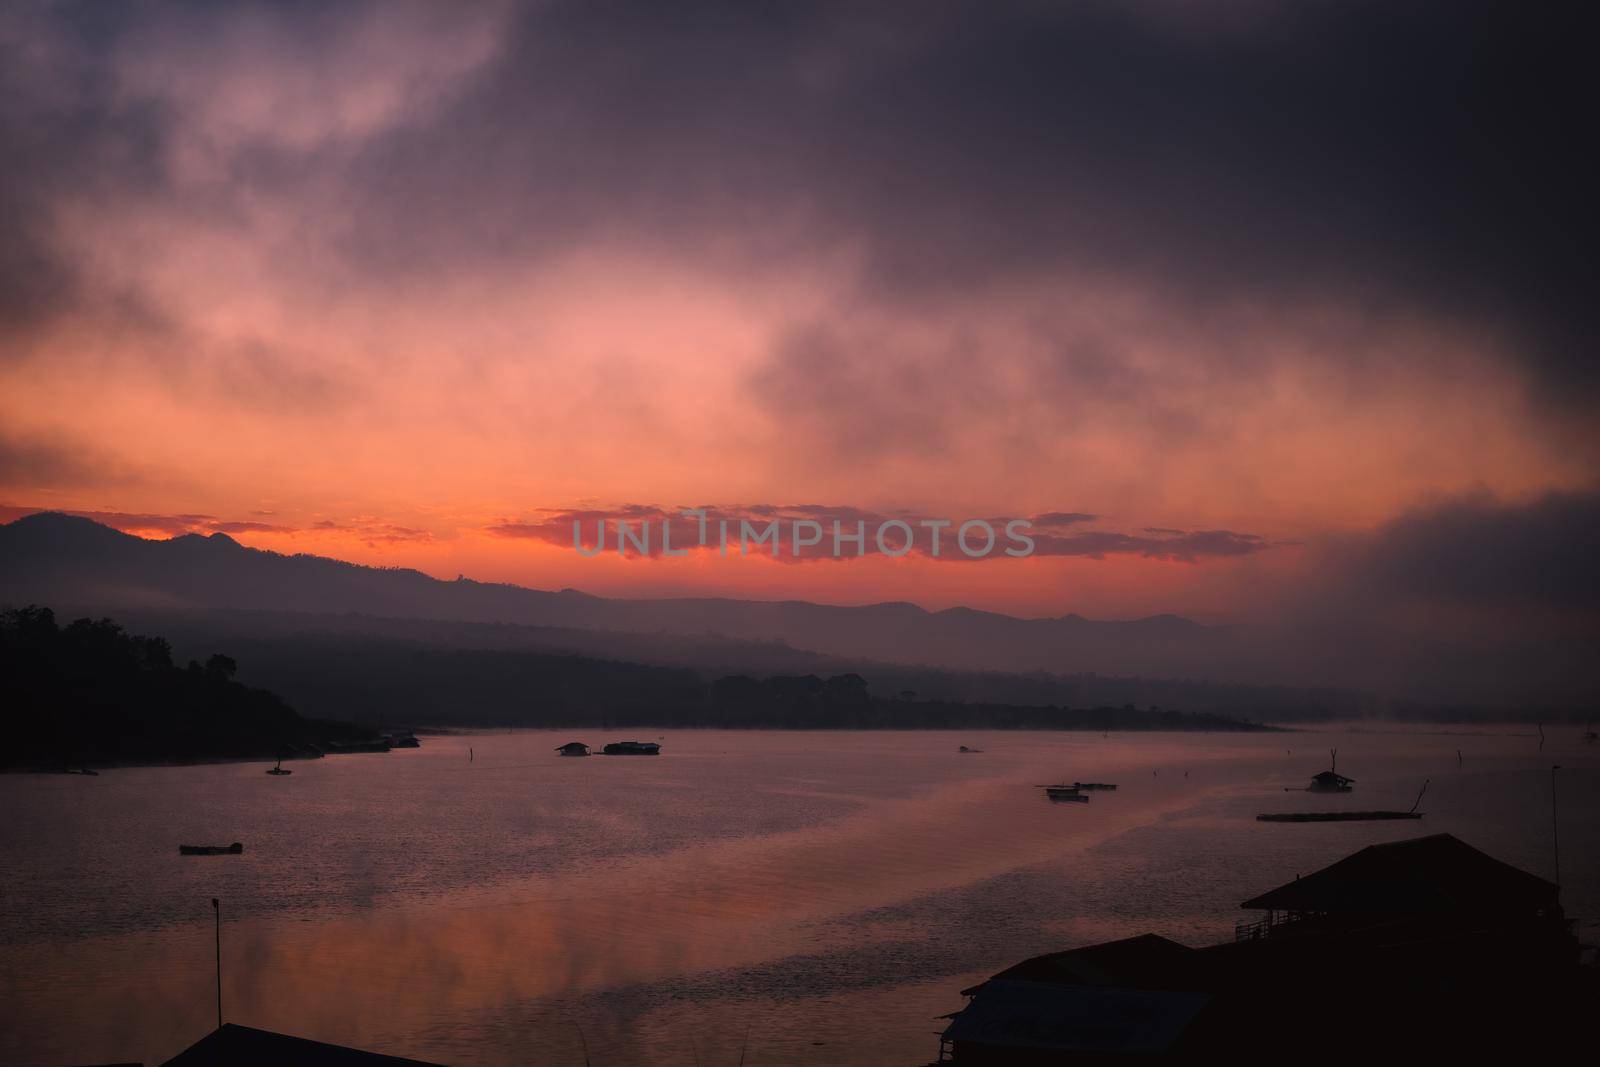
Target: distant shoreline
column 471, row 731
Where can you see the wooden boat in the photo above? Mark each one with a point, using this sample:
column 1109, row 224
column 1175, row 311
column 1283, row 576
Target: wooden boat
column 632, row 748
column 1337, row 816
column 211, row 850
column 1100, row 786
column 964, row 748
column 1347, row 816
column 1064, row 794
column 1330, row 780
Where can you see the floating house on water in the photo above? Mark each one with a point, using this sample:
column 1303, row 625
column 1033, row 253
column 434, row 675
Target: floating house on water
column 632, row 748
column 1423, row 948
column 1330, row 780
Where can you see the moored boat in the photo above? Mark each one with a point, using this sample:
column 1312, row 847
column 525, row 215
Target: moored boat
column 1330, row 780
column 632, row 748
column 1337, row 816
column 211, row 850
column 1348, row 816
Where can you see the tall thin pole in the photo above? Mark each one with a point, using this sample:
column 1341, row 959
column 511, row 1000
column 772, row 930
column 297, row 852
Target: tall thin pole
column 1555, row 827
column 216, row 909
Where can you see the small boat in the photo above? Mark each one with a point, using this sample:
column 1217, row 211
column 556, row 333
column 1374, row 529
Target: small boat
column 964, row 748
column 211, row 850
column 632, row 748
column 573, row 748
column 1102, row 786
column 278, row 770
column 1064, row 794
column 406, row 740
column 85, row 771
column 1338, row 816
column 1330, row 780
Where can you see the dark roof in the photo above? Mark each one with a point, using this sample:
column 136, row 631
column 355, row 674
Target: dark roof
column 1143, row 962
column 1044, row 1015
column 1438, row 873
column 231, row 1045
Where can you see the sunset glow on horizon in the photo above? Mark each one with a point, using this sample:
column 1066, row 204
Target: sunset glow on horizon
column 299, row 282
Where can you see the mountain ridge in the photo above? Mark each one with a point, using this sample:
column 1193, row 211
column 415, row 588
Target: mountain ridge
column 55, row 557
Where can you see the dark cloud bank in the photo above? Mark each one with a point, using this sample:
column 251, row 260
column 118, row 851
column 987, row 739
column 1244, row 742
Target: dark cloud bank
column 1427, row 158
column 1421, row 155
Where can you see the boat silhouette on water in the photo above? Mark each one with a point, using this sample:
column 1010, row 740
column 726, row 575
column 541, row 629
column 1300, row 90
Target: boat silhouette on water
column 1329, row 781
column 278, row 770
column 632, row 748
column 1346, row 816
column 211, row 850
column 1065, row 794
column 1337, row 816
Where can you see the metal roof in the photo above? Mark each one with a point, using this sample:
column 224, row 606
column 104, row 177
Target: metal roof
column 1147, row 961
column 231, row 1045
column 1438, row 873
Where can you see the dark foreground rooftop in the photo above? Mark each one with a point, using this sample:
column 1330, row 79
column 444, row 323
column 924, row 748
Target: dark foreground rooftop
column 1423, row 949
column 1435, row 874
column 231, row 1045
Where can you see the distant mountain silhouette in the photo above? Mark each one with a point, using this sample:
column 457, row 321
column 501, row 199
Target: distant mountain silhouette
column 79, row 565
column 60, row 559
column 92, row 692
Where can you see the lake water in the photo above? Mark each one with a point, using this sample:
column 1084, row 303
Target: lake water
column 797, row 897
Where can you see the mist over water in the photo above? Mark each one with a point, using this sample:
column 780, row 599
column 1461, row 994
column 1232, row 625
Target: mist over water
column 816, row 897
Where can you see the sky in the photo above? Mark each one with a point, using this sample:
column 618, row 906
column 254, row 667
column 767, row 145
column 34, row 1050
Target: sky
column 1252, row 304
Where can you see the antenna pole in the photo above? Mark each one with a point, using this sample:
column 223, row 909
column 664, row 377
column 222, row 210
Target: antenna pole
column 216, row 909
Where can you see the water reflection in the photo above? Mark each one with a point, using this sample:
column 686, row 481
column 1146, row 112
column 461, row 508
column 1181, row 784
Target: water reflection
column 798, row 887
